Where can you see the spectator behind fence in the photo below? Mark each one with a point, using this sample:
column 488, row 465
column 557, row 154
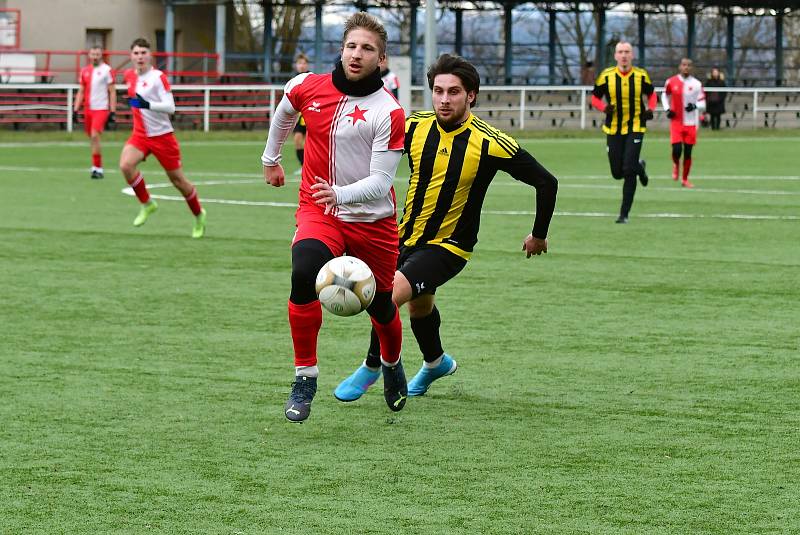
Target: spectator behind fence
column 588, row 75
column 715, row 101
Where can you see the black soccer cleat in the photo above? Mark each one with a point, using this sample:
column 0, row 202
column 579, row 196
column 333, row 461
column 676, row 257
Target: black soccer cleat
column 643, row 178
column 622, row 219
column 395, row 388
column 298, row 406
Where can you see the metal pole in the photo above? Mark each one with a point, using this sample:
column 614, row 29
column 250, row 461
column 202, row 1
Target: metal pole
column 642, row 46
column 318, row 37
column 508, row 37
column 600, row 8
column 267, row 41
column 729, row 50
column 430, row 44
column 551, row 45
column 583, row 109
column 779, row 48
column 221, row 37
column 690, row 31
column 69, row 109
column 271, row 104
column 459, row 31
column 412, row 44
column 169, row 37
column 206, row 109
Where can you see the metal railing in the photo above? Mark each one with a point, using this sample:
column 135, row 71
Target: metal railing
column 517, row 107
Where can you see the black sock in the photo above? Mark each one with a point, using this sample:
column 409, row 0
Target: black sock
column 628, row 191
column 426, row 331
column 374, row 353
column 300, row 155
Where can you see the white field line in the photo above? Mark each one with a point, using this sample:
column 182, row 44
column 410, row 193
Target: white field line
column 501, row 183
column 129, row 191
column 599, row 140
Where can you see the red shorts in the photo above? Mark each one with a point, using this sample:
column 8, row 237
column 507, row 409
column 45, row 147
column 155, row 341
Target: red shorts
column 679, row 133
column 374, row 243
column 94, row 120
column 164, row 147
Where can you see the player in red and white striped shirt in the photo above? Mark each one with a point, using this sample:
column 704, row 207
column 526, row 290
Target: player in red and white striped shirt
column 683, row 99
column 354, row 141
column 98, row 98
column 151, row 102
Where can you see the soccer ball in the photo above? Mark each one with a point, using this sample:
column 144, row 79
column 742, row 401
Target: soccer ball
column 345, row 286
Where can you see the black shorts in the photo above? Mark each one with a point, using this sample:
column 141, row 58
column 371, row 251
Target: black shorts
column 427, row 267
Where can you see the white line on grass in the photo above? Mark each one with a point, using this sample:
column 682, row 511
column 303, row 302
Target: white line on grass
column 600, row 140
column 129, row 191
column 655, row 216
column 696, row 178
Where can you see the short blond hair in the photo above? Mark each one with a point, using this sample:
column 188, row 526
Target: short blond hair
column 364, row 20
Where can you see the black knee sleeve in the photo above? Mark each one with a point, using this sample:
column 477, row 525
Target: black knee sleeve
column 382, row 308
column 426, row 331
column 308, row 256
column 676, row 150
column 687, row 152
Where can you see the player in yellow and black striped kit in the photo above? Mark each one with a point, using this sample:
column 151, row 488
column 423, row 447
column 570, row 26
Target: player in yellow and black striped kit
column 624, row 88
column 453, row 157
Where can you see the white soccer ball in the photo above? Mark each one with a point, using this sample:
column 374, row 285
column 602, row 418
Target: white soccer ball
column 345, row 286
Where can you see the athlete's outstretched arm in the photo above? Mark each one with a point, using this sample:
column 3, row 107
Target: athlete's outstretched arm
column 665, row 103
column 524, row 167
column 280, row 126
column 382, row 166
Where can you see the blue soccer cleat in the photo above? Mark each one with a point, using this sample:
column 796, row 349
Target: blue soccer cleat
column 425, row 376
column 354, row 386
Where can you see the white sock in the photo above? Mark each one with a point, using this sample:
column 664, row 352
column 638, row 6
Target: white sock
column 370, row 368
column 390, row 364
column 434, row 363
column 306, row 371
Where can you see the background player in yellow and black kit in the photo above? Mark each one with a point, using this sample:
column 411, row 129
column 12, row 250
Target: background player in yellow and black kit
column 301, row 66
column 453, row 157
column 625, row 89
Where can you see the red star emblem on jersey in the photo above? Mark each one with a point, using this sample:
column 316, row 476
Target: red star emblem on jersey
column 358, row 114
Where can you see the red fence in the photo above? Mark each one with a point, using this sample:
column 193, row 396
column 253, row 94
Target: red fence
column 63, row 66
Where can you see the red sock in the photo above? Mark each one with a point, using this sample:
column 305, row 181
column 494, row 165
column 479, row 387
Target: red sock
column 140, row 189
column 97, row 160
column 391, row 337
column 305, row 322
column 193, row 202
column 687, row 165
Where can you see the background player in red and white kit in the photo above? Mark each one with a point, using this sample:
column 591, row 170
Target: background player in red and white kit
column 151, row 102
column 354, row 141
column 98, row 98
column 683, row 100
column 390, row 79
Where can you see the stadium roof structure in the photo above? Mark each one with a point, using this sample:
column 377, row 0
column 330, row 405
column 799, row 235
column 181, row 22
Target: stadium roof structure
column 689, row 8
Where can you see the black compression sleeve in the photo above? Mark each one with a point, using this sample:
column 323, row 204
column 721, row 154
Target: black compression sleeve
column 524, row 167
